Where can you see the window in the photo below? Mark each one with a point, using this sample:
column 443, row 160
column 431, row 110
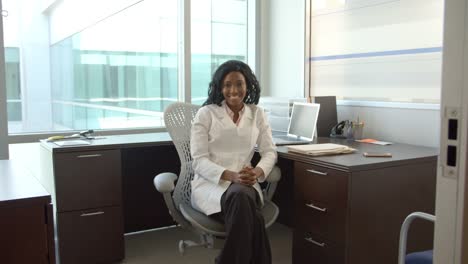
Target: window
column 115, row 67
column 376, row 50
column 12, row 83
column 219, row 33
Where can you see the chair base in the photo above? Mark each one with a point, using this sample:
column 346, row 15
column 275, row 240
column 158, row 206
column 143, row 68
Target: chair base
column 206, row 241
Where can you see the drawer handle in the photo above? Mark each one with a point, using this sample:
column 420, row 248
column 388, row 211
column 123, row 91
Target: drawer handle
column 318, row 172
column 311, row 205
column 309, row 239
column 90, row 156
column 95, row 213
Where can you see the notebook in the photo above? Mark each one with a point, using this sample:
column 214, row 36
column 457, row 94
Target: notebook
column 302, row 125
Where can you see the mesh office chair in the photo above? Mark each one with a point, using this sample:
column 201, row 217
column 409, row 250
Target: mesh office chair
column 178, row 119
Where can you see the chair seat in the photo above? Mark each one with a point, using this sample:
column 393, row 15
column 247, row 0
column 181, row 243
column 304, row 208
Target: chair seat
column 200, row 220
column 422, row 257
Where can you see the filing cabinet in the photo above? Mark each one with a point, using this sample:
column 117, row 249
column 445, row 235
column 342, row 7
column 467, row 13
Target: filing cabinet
column 87, row 193
column 348, row 209
column 320, row 213
column 103, row 190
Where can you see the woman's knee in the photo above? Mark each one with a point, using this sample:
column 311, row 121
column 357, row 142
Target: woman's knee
column 241, row 193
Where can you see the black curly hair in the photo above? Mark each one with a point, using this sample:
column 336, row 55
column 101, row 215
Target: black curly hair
column 215, row 94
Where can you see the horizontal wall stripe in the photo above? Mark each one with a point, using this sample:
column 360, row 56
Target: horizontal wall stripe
column 377, row 54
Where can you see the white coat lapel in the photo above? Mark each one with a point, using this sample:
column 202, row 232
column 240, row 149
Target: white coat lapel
column 223, row 117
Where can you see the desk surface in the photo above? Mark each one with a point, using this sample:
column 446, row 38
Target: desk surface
column 17, row 185
column 116, row 142
column 401, row 154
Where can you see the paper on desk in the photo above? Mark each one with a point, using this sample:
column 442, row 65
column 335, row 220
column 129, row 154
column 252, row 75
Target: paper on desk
column 320, row 149
column 373, row 141
column 71, row 143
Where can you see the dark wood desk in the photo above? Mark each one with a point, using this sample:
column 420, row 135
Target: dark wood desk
column 349, row 208
column 26, row 223
column 366, row 198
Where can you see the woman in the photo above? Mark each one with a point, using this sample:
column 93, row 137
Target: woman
column 224, row 135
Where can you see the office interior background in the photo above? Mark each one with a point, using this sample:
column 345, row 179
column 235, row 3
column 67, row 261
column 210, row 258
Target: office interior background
column 113, row 65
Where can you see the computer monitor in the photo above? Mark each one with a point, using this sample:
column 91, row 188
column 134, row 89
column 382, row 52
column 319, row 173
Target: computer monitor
column 328, row 117
column 303, row 121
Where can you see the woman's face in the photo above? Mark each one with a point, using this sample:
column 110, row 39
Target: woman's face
column 234, row 90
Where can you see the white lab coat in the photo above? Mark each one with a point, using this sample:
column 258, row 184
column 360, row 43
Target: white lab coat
column 217, row 144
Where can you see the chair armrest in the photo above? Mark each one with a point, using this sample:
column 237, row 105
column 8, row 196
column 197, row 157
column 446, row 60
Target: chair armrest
column 275, row 175
column 404, row 232
column 164, row 182
column 272, row 181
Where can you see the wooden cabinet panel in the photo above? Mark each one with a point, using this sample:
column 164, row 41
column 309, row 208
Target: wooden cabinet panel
column 23, row 235
column 144, row 207
column 87, row 179
column 91, row 236
column 26, row 222
column 380, row 201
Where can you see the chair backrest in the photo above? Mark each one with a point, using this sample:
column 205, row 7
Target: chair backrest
column 178, row 119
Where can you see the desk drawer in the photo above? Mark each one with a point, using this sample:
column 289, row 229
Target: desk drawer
column 330, row 223
column 322, row 187
column 91, row 236
column 89, row 179
column 310, row 248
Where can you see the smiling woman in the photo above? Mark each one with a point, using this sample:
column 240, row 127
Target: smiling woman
column 225, row 134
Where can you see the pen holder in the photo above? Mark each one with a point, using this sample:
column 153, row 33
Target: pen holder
column 354, row 130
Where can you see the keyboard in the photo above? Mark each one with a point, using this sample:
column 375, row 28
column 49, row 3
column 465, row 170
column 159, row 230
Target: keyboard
column 288, row 140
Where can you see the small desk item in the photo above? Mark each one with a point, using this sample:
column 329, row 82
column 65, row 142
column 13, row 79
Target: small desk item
column 302, row 125
column 373, row 141
column 377, row 154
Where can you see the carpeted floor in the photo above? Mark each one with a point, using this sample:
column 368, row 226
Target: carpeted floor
column 161, row 247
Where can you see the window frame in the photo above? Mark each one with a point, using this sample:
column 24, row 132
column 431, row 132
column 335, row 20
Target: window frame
column 3, row 99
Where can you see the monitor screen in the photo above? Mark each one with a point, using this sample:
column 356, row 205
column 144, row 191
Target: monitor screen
column 303, row 120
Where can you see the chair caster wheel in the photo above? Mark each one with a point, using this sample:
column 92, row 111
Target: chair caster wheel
column 182, row 246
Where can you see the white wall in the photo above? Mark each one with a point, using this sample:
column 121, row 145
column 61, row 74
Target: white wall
column 282, row 52
column 402, row 125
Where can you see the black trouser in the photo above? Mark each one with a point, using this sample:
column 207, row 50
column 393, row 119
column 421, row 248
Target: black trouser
column 247, row 241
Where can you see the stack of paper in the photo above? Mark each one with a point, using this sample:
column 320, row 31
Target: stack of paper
column 320, row 149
